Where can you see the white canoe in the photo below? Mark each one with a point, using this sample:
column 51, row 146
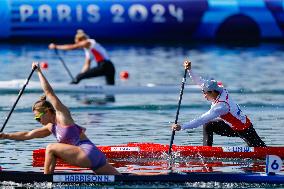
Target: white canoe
column 13, row 86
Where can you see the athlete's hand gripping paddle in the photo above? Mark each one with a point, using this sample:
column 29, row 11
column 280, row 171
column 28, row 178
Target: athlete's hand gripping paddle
column 62, row 61
column 178, row 108
column 19, row 96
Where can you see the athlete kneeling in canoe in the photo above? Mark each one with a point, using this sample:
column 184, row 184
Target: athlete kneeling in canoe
column 73, row 145
column 225, row 116
column 92, row 49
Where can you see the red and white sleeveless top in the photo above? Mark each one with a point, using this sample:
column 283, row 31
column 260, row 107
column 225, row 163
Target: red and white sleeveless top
column 235, row 117
column 98, row 52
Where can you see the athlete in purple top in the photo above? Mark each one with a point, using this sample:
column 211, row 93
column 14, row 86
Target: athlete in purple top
column 73, row 146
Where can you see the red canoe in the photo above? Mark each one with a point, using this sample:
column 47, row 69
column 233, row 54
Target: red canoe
column 154, row 150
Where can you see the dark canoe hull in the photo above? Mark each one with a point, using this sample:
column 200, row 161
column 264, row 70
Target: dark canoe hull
column 30, row 177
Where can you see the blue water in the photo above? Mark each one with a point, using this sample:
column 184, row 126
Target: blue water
column 146, row 118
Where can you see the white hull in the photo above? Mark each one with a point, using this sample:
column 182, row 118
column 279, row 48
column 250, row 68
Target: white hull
column 16, row 85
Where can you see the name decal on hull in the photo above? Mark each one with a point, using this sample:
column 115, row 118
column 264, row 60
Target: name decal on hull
column 83, row 178
column 237, row 149
column 127, row 149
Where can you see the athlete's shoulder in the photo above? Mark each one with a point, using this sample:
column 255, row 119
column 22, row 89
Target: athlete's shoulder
column 93, row 41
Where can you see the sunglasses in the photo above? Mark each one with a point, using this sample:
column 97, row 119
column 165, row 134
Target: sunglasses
column 38, row 117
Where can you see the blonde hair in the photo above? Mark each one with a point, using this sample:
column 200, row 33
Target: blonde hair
column 42, row 105
column 81, row 35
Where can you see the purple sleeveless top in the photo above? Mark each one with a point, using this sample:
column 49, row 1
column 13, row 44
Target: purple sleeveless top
column 67, row 134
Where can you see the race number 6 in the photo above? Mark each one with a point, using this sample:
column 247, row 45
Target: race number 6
column 273, row 164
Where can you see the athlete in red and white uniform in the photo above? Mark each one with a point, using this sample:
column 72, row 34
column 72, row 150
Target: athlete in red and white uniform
column 224, row 117
column 93, row 50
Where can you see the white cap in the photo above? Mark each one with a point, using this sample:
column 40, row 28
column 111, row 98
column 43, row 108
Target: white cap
column 211, row 85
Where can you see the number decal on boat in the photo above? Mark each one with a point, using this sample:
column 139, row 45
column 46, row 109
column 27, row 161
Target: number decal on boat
column 128, row 149
column 237, row 149
column 273, row 164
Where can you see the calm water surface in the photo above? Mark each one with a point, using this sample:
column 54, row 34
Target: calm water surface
column 258, row 71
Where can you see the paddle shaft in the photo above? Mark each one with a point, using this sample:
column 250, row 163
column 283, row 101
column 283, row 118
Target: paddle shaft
column 19, row 96
column 62, row 61
column 178, row 108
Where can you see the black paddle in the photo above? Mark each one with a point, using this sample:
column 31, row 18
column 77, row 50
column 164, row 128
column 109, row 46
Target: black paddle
column 62, row 61
column 179, row 102
column 19, row 96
